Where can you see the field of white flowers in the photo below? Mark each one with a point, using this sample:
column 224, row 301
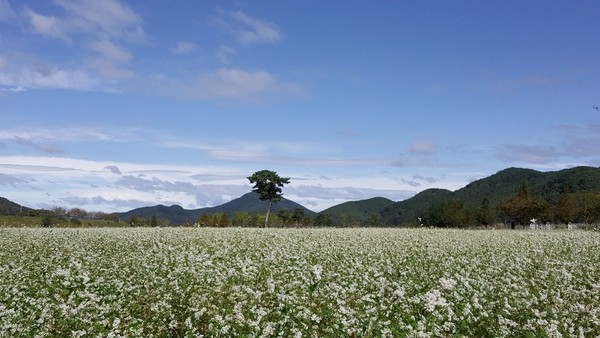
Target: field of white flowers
column 188, row 282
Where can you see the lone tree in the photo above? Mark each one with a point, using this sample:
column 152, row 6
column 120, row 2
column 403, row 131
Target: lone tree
column 268, row 186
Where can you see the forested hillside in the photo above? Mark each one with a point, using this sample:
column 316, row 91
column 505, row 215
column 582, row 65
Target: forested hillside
column 247, row 204
column 466, row 205
column 355, row 212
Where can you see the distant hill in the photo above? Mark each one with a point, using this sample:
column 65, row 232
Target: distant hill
column 11, row 208
column 407, row 211
column 500, row 186
column 247, row 203
column 356, row 212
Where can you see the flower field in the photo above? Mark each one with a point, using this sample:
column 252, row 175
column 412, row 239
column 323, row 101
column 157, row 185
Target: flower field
column 192, row 282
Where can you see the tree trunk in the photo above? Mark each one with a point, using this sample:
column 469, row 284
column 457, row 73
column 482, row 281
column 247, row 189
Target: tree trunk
column 268, row 212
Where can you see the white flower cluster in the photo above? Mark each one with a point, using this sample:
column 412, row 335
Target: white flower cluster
column 203, row 282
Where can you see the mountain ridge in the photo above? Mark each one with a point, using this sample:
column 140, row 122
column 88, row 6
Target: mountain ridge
column 248, row 202
column 497, row 187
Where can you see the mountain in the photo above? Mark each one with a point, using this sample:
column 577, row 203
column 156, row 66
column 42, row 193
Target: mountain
column 251, row 203
column 11, row 208
column 175, row 214
column 408, row 210
column 356, row 212
column 247, row 203
column 500, row 186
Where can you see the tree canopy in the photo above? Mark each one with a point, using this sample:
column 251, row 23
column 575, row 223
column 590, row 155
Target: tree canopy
column 268, row 185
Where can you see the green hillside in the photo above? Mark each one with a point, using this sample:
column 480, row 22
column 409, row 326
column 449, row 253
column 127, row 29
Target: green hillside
column 11, row 208
column 248, row 203
column 356, row 212
column 498, row 187
column 407, row 211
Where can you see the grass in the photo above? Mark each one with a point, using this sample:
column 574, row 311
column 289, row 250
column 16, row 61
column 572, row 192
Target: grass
column 187, row 282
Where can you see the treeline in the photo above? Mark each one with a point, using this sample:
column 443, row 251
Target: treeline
column 59, row 216
column 281, row 218
column 518, row 210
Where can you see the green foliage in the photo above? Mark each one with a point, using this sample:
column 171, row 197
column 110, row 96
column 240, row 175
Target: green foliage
column 153, row 221
column 223, row 220
column 47, row 221
column 268, row 185
column 485, row 215
column 587, row 207
column 323, row 220
column 544, row 188
column 408, row 211
column 523, row 207
column 565, row 208
column 298, row 216
column 357, row 212
column 447, row 214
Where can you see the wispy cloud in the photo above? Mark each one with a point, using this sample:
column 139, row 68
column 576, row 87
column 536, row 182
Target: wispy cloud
column 22, row 77
column 41, row 146
column 224, row 53
column 6, row 11
column 47, row 25
column 234, row 83
column 426, row 147
column 111, row 60
column 248, row 30
column 103, row 27
column 108, row 18
column 184, row 47
column 570, row 143
column 11, row 180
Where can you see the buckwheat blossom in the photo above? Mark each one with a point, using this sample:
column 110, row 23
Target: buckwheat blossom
column 205, row 282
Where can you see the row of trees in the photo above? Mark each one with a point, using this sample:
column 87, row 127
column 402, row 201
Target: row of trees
column 282, row 218
column 580, row 207
column 73, row 217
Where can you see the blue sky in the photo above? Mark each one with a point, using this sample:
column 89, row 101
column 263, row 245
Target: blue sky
column 112, row 105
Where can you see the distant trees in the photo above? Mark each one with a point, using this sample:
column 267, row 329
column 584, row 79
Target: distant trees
column 485, row 214
column 565, row 207
column 448, row 214
column 219, row 219
column 587, row 206
column 523, row 207
column 268, row 185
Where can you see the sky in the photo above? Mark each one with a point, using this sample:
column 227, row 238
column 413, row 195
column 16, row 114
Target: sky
column 117, row 104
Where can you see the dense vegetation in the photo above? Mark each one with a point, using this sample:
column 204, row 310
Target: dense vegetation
column 495, row 199
column 189, row 282
column 511, row 197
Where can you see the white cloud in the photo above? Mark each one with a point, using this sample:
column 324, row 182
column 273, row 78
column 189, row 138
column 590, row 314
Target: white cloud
column 65, row 134
column 19, row 78
column 423, row 147
column 47, row 25
column 63, row 178
column 185, row 47
column 248, row 30
column 103, row 23
column 224, row 52
column 106, row 18
column 111, row 51
column 110, row 60
column 6, row 11
column 238, row 84
column 11, row 180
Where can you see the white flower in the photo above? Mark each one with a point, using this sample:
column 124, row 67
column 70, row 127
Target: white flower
column 433, row 299
column 317, row 270
column 447, row 283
